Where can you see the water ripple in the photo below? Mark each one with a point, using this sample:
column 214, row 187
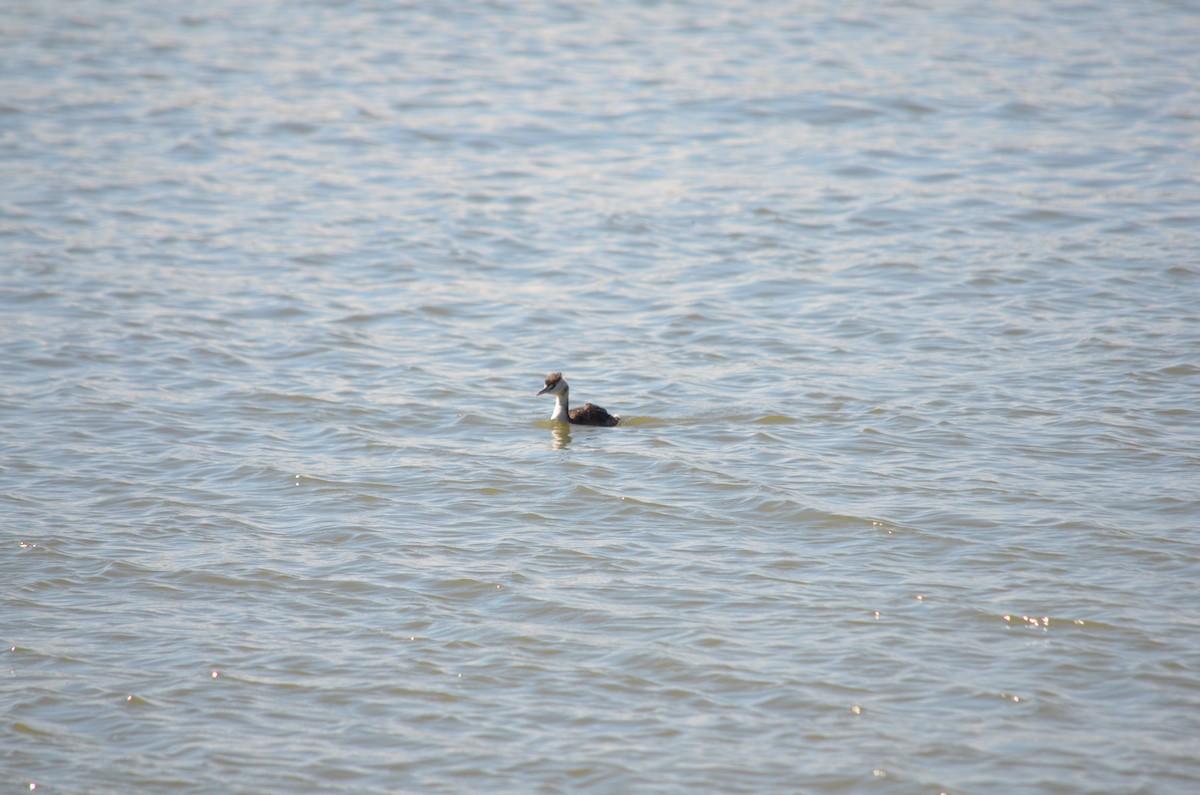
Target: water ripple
column 897, row 309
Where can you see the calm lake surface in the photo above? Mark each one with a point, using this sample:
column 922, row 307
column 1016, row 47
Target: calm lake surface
column 900, row 304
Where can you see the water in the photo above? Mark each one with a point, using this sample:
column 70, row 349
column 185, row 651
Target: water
column 898, row 302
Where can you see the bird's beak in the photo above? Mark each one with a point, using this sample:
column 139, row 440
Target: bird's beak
column 545, row 389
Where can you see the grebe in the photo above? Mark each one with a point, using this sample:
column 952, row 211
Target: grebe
column 588, row 415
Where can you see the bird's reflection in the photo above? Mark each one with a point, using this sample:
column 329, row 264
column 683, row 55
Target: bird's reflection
column 561, row 435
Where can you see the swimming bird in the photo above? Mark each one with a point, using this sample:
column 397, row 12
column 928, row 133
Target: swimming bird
column 588, row 415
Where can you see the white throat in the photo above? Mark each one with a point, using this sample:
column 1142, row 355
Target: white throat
column 560, row 407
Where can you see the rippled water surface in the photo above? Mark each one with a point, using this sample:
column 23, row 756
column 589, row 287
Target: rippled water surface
column 899, row 303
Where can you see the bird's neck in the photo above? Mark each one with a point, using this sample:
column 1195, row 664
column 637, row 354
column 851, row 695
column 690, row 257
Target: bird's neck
column 560, row 408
